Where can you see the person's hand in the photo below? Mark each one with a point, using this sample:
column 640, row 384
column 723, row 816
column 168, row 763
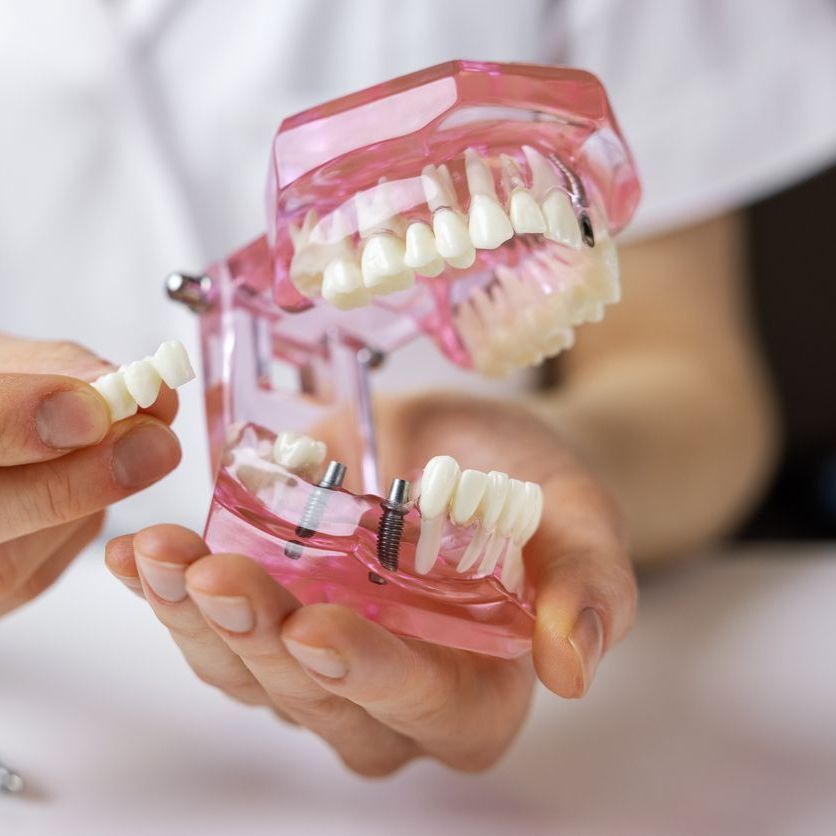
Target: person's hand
column 61, row 461
column 377, row 699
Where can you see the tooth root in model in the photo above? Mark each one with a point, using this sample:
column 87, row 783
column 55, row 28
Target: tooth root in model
column 138, row 383
column 438, row 482
column 488, row 225
column 452, row 240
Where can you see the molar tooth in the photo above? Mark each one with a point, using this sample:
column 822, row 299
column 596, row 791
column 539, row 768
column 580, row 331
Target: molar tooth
column 342, row 284
column 421, row 253
column 452, row 239
column 298, row 453
column 469, row 492
column 561, row 223
column 488, row 224
column 526, row 216
column 171, row 361
column 142, row 381
column 382, row 264
column 113, row 389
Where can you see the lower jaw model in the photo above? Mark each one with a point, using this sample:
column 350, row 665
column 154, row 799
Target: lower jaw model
column 474, row 203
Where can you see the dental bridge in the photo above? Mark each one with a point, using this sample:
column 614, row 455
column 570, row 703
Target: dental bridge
column 471, row 202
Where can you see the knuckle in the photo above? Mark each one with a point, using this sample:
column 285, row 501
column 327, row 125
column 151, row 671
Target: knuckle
column 50, row 498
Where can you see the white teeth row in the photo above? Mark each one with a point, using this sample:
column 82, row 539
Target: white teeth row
column 300, row 454
column 138, row 384
column 506, row 513
column 530, row 312
column 395, row 249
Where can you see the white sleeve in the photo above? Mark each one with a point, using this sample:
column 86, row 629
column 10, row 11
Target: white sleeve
column 722, row 101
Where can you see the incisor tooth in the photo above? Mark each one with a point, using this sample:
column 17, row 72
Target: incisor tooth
column 488, row 225
column 382, row 264
column 421, row 253
column 171, row 361
column 113, row 389
column 526, row 216
column 561, row 223
column 342, row 284
column 142, row 381
column 469, row 492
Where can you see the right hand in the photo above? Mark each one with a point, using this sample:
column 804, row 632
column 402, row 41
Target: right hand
column 61, row 460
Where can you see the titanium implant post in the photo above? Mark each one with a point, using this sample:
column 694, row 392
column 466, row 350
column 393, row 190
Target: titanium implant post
column 315, row 507
column 390, row 528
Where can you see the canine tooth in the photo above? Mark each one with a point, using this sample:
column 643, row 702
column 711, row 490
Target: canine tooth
column 526, row 216
column 113, row 389
column 342, row 284
column 429, row 542
column 298, row 453
column 488, row 224
column 543, row 176
column 142, row 381
column 452, row 239
column 438, row 482
column 561, row 223
column 479, row 177
column 171, row 360
column 421, row 253
column 382, row 264
column 469, row 492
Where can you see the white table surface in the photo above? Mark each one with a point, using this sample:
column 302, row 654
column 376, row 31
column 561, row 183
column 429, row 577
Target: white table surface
column 717, row 716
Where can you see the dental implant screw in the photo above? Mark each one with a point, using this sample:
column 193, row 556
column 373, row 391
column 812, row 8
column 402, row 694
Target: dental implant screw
column 586, row 230
column 315, row 507
column 390, row 527
column 192, row 291
column 10, row 781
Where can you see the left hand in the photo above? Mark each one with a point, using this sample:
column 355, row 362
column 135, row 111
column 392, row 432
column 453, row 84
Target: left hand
column 380, row 700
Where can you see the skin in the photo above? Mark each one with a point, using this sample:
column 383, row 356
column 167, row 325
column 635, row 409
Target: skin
column 668, row 385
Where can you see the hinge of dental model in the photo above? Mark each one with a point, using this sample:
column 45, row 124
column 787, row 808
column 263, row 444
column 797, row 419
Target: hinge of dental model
column 138, row 384
column 505, row 511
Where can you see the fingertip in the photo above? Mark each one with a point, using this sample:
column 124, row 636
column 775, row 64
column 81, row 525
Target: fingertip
column 119, row 556
column 169, row 543
column 166, row 406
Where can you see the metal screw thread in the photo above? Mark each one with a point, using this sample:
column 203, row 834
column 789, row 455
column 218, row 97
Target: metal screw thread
column 318, row 499
column 390, row 528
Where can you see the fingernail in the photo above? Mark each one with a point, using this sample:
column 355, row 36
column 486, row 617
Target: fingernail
column 72, row 418
column 168, row 580
column 321, row 660
column 144, row 454
column 587, row 640
column 232, row 612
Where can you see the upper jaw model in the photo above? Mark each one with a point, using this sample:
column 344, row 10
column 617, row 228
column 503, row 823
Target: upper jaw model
column 471, row 202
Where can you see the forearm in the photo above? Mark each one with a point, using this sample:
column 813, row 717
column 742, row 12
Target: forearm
column 685, row 448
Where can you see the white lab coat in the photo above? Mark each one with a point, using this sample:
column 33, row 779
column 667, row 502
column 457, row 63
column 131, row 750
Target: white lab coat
column 134, row 137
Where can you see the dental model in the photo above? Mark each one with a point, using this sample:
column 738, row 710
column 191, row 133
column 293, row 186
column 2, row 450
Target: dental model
column 472, row 203
column 138, row 384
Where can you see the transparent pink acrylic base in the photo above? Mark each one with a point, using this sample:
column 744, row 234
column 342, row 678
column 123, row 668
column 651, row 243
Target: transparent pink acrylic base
column 338, row 562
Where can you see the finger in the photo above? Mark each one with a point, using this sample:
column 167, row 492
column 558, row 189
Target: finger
column 165, row 407
column 120, row 561
column 136, row 453
column 246, row 608
column 462, row 708
column 48, row 571
column 586, row 590
column 162, row 554
column 42, row 416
